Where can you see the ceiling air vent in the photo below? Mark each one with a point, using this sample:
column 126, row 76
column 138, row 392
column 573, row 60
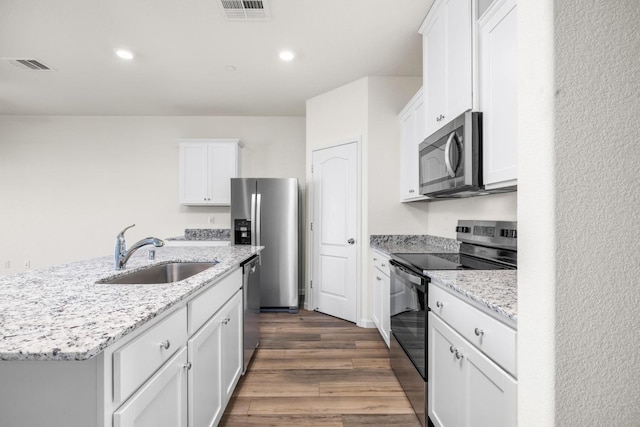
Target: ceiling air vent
column 245, row 10
column 28, row 64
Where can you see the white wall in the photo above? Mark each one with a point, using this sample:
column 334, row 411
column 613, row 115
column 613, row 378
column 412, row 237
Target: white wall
column 367, row 110
column 579, row 251
column 69, row 184
column 441, row 217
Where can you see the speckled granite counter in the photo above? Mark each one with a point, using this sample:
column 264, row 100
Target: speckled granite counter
column 494, row 291
column 204, row 234
column 391, row 243
column 60, row 313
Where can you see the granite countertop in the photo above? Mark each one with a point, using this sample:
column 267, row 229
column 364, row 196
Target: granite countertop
column 402, row 243
column 61, row 313
column 493, row 291
column 204, row 234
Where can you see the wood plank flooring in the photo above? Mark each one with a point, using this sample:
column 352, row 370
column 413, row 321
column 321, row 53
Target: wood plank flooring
column 315, row 370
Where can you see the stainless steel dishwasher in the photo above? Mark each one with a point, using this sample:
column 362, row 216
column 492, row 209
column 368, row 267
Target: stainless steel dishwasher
column 251, row 307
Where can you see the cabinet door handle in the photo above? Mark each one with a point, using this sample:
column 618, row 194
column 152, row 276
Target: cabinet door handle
column 165, row 344
column 379, row 278
column 187, row 366
column 412, row 191
column 456, row 352
column 226, row 320
column 439, row 304
column 478, row 332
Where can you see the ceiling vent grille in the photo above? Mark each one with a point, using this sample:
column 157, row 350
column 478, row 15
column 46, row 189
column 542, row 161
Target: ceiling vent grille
column 245, row 10
column 28, row 64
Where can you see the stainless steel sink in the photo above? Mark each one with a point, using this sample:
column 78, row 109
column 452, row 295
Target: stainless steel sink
column 161, row 273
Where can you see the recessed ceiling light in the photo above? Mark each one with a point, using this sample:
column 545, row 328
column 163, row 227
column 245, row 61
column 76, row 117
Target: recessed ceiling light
column 287, row 55
column 124, row 54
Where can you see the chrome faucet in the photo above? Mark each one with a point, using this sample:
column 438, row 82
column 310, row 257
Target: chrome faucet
column 122, row 255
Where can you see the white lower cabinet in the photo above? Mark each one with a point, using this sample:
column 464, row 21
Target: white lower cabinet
column 194, row 386
column 232, row 351
column 465, row 387
column 162, row 401
column 381, row 292
column 216, row 364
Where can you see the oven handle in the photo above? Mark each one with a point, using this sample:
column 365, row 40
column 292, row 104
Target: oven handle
column 403, row 272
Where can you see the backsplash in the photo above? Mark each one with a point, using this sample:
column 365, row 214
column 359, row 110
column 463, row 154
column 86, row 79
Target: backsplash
column 207, row 234
column 413, row 243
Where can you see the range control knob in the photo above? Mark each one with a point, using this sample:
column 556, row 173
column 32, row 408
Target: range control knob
column 505, row 232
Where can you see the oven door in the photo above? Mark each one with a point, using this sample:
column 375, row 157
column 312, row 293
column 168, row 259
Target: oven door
column 408, row 309
column 450, row 158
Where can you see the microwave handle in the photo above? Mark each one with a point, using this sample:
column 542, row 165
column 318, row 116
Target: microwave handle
column 447, row 155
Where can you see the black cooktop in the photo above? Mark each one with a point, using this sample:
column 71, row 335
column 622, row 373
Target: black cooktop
column 420, row 262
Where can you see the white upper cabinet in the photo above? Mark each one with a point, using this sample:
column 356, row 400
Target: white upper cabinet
column 497, row 69
column 206, row 168
column 413, row 133
column 448, row 66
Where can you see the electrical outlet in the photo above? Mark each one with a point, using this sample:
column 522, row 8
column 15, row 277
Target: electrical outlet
column 7, row 264
column 210, row 219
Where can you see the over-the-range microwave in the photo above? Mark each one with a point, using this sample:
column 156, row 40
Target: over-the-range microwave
column 451, row 159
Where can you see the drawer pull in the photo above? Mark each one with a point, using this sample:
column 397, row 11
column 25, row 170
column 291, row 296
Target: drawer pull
column 478, row 332
column 375, row 259
column 187, row 366
column 165, row 344
column 384, row 265
column 226, row 320
column 452, row 349
column 439, row 304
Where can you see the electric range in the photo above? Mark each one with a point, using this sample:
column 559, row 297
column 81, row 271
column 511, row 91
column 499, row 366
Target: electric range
column 484, row 245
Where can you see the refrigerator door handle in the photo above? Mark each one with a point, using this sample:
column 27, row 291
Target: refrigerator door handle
column 253, row 220
column 258, row 218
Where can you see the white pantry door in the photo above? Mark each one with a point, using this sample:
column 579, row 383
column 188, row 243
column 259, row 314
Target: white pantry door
column 335, row 230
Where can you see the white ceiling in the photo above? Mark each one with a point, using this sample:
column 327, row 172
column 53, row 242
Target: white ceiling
column 183, row 47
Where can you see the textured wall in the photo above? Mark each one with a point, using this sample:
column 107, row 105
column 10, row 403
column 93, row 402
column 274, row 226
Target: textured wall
column 579, row 269
column 598, row 227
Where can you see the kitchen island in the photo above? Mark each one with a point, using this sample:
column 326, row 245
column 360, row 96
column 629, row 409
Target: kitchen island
column 74, row 351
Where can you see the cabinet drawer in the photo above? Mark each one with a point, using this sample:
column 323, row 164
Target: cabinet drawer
column 493, row 338
column 381, row 262
column 134, row 363
column 205, row 305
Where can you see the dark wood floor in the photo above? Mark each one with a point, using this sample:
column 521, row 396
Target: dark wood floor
column 315, row 370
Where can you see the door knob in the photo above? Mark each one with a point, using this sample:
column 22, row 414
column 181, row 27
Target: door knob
column 351, row 241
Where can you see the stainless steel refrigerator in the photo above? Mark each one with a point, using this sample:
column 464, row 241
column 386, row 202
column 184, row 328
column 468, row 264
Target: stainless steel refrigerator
column 265, row 212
